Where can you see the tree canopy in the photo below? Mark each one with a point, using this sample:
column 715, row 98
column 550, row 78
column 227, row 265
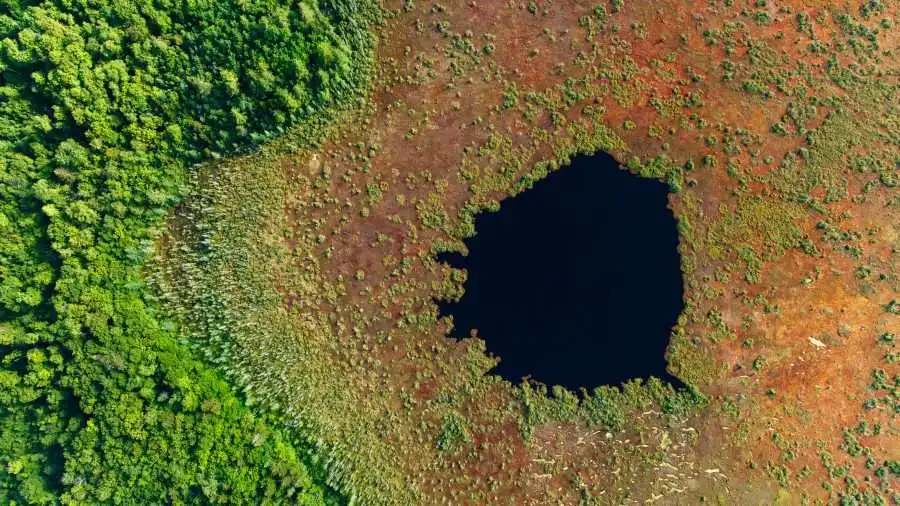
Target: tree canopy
column 104, row 104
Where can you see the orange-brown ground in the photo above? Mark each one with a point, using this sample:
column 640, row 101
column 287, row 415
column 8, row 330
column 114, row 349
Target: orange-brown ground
column 790, row 251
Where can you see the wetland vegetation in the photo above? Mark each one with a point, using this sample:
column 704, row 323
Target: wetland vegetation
column 219, row 224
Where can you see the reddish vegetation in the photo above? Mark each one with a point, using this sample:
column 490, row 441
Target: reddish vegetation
column 819, row 347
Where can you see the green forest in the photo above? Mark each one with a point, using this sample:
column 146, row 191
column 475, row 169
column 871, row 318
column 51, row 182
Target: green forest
column 105, row 107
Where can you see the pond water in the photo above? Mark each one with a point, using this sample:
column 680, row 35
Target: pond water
column 576, row 281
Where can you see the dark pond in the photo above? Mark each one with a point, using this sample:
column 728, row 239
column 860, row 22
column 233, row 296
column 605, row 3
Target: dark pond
column 576, row 281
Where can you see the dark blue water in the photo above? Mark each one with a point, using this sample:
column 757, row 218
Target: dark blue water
column 576, row 281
